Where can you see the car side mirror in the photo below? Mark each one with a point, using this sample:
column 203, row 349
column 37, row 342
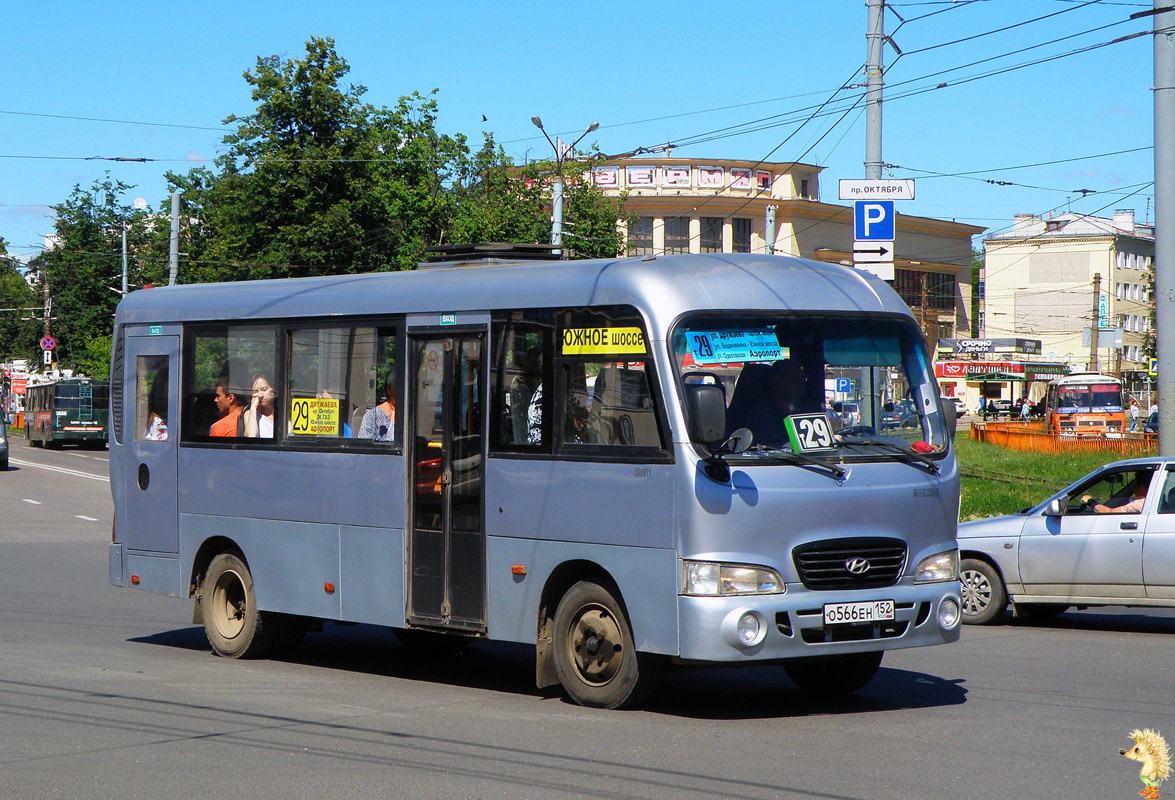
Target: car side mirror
column 1056, row 507
column 705, row 406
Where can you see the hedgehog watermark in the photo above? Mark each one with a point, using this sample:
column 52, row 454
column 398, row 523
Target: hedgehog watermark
column 1151, row 749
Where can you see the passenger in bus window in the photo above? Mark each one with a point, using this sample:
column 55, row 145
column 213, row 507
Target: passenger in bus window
column 230, row 404
column 156, row 429
column 258, row 417
column 534, row 417
column 379, row 423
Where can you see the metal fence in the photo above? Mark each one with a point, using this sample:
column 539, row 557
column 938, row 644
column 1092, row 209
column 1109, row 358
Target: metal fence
column 1032, row 437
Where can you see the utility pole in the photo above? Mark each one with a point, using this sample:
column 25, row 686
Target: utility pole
column 124, row 259
column 175, row 239
column 769, row 228
column 1164, row 87
column 1096, row 322
column 561, row 152
column 873, row 84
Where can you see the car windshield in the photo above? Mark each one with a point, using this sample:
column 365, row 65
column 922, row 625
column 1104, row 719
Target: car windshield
column 869, row 377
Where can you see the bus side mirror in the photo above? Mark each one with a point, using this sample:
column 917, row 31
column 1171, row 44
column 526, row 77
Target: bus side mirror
column 705, row 406
column 950, row 415
column 1056, row 507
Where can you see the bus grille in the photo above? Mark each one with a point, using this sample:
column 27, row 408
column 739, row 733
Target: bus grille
column 825, row 564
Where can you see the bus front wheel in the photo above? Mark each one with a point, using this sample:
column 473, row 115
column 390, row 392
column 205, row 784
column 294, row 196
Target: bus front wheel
column 595, row 654
column 234, row 626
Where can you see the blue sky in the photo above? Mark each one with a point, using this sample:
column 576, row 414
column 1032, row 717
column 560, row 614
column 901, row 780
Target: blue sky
column 651, row 72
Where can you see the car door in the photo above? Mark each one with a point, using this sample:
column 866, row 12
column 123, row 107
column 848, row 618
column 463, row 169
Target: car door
column 1087, row 554
column 1158, row 545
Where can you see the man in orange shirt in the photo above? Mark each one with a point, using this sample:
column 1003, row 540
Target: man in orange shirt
column 228, row 405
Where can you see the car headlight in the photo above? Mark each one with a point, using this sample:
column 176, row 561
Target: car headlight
column 942, row 567
column 711, row 579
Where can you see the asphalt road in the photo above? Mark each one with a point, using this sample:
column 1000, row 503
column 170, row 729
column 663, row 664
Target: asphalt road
column 112, row 693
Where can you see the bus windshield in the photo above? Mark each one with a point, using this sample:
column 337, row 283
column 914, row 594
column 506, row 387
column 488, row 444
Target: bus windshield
column 871, row 376
column 1091, row 397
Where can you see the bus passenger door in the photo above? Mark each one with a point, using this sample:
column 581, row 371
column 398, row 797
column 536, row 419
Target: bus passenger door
column 446, row 556
column 150, row 434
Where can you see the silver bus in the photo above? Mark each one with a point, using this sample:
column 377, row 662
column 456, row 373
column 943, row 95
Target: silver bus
column 628, row 463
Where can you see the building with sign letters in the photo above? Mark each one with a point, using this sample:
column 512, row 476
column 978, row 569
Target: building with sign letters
column 731, row 206
column 1039, row 281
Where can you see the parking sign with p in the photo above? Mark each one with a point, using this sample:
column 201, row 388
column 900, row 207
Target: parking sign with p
column 873, row 220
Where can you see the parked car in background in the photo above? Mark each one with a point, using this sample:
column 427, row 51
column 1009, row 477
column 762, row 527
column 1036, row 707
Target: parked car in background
column 960, row 406
column 1067, row 552
column 1152, row 423
column 1000, row 406
column 848, row 411
column 901, row 414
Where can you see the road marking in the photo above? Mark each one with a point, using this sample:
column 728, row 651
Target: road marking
column 92, row 458
column 31, row 502
column 74, row 472
column 87, row 519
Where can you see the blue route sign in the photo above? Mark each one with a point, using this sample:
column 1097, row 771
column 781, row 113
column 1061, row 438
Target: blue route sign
column 873, row 220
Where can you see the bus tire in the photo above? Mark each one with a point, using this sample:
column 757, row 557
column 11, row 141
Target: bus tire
column 234, row 626
column 984, row 595
column 829, row 676
column 595, row 653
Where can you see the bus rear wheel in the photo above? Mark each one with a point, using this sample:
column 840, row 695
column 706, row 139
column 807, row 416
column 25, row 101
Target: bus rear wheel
column 234, row 626
column 595, row 654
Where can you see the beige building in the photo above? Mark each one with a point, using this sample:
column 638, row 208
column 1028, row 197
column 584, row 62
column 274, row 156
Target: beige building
column 731, row 206
column 1039, row 283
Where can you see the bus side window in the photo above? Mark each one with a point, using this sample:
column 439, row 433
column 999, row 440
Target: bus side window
column 218, row 379
column 520, row 402
column 338, row 377
column 151, row 398
column 607, row 398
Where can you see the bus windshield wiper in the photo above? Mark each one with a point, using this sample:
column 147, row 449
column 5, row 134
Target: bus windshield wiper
column 785, row 454
column 906, row 454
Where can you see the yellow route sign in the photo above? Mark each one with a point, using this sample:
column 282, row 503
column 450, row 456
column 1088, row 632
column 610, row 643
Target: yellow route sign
column 314, row 416
column 603, row 341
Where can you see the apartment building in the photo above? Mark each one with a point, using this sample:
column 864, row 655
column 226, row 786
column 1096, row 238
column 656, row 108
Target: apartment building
column 1043, row 279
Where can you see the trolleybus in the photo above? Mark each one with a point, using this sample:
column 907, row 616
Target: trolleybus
column 74, row 410
column 1085, row 404
column 596, row 458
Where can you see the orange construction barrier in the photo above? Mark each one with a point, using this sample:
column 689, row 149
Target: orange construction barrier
column 1033, row 437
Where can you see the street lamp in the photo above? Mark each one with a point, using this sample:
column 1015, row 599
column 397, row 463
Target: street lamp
column 561, row 152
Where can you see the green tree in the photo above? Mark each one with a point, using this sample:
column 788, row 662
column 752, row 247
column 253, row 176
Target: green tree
column 84, row 266
column 505, row 203
column 315, row 181
column 17, row 337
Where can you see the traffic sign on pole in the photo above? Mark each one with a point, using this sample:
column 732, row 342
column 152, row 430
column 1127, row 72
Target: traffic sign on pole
column 48, row 343
column 873, row 220
column 881, row 189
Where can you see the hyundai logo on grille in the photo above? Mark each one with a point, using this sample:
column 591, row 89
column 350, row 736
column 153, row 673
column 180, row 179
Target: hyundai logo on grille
column 857, row 566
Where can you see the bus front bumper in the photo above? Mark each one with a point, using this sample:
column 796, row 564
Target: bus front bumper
column 753, row 628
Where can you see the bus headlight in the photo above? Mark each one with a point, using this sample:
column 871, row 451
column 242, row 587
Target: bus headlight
column 711, row 579
column 942, row 567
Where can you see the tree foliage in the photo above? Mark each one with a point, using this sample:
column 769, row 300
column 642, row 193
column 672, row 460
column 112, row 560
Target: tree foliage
column 17, row 335
column 315, row 181
column 84, row 266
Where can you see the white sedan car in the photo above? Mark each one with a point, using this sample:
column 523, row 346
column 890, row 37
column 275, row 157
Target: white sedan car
column 1106, row 540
